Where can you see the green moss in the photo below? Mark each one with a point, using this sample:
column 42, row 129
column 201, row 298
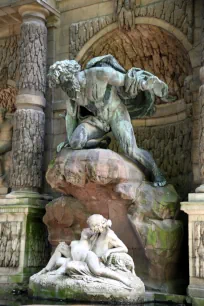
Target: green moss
column 197, row 302
column 163, row 238
column 162, row 297
column 151, row 237
column 52, row 163
column 18, row 278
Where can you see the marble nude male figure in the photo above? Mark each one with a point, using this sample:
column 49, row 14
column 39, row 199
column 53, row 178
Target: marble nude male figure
column 103, row 89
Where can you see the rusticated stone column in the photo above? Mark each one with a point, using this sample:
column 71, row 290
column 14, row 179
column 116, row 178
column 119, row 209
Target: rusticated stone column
column 29, row 119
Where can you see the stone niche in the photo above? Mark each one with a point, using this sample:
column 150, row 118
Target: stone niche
column 147, row 47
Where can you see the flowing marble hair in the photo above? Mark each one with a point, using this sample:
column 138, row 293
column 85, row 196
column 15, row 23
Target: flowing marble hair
column 99, row 218
column 63, row 74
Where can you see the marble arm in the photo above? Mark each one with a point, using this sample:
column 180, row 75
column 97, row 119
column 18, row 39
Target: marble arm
column 117, row 245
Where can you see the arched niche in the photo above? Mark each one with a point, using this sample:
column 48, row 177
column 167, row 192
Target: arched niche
column 164, row 51
column 148, row 47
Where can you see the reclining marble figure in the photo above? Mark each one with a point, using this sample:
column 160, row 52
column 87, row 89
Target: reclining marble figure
column 98, row 253
column 100, row 98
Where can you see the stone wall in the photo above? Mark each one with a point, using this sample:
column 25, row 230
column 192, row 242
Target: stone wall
column 8, row 59
column 178, row 14
column 10, row 236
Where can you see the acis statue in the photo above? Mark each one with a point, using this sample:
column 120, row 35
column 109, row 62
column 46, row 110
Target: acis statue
column 99, row 99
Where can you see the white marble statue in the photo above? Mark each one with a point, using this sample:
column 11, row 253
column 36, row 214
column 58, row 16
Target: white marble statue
column 98, row 261
column 94, row 248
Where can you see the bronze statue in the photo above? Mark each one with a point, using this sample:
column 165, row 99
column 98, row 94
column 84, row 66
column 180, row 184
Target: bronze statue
column 101, row 99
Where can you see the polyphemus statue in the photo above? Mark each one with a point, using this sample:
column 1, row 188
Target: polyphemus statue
column 101, row 98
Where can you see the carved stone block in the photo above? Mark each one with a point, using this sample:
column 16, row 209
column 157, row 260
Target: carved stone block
column 28, row 147
column 24, row 247
column 195, row 210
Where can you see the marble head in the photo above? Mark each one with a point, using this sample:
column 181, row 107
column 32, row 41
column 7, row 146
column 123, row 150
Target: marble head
column 98, row 223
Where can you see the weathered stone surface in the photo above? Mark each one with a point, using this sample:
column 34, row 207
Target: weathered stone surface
column 155, row 203
column 109, row 184
column 161, row 240
column 125, row 11
column 177, row 14
column 65, row 218
column 9, row 63
column 24, row 246
column 33, row 53
column 10, row 236
column 92, row 290
column 28, row 146
column 8, row 98
column 81, row 32
column 97, row 166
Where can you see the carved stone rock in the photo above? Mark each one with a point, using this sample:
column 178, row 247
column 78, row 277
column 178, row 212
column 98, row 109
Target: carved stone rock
column 33, row 52
column 10, row 236
column 62, row 287
column 65, row 218
column 28, row 147
column 8, row 98
column 109, row 184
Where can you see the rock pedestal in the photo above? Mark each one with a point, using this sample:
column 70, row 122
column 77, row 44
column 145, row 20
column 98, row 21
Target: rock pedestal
column 143, row 216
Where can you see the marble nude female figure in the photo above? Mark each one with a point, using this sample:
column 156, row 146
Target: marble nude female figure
column 97, row 243
column 103, row 89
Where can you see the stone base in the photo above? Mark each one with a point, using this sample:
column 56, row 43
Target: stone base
column 24, row 246
column 3, row 191
column 85, row 290
column 196, row 291
column 197, row 302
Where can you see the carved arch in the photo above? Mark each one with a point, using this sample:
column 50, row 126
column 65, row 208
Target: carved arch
column 140, row 20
